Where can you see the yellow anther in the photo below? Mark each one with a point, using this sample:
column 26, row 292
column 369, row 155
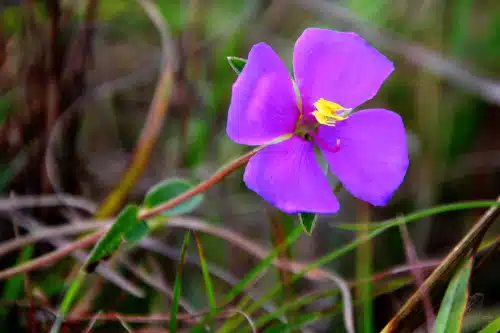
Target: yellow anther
column 326, row 112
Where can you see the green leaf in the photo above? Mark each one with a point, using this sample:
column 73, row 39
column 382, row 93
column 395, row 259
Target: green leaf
column 113, row 238
column 493, row 327
column 135, row 234
column 169, row 189
column 237, row 64
column 307, row 220
column 178, row 284
column 451, row 312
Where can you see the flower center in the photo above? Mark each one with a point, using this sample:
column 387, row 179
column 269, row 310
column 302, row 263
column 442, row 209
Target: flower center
column 328, row 113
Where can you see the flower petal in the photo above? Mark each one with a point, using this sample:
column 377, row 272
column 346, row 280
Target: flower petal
column 373, row 157
column 340, row 67
column 288, row 176
column 263, row 104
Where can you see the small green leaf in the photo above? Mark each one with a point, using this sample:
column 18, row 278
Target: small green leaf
column 174, row 308
column 451, row 312
column 307, row 220
column 237, row 64
column 113, row 238
column 493, row 327
column 168, row 190
column 135, row 234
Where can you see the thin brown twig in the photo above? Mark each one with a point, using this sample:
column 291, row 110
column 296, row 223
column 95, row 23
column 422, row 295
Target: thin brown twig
column 47, row 200
column 202, row 187
column 175, row 222
column 53, row 256
column 150, row 318
column 411, row 255
column 92, row 322
column 50, row 232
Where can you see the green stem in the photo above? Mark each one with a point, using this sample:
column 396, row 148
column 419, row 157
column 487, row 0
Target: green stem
column 364, row 271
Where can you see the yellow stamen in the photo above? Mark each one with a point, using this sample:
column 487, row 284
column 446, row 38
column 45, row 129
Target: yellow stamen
column 326, row 112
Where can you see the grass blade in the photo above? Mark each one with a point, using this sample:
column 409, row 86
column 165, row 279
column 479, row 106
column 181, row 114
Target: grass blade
column 364, row 258
column 492, row 327
column 206, row 277
column 451, row 313
column 178, row 284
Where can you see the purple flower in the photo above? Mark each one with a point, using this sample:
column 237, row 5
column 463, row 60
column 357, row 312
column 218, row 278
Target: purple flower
column 335, row 72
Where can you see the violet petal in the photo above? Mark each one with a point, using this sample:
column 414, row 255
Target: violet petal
column 373, row 157
column 340, row 67
column 263, row 103
column 288, row 176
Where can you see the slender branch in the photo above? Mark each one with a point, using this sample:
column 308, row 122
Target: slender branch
column 47, row 200
column 53, row 256
column 202, row 187
column 51, row 232
column 412, row 257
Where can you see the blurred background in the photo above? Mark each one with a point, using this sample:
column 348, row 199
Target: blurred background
column 77, row 81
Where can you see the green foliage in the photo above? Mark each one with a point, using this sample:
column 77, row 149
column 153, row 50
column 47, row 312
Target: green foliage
column 125, row 224
column 174, row 307
column 168, row 190
column 307, row 221
column 206, row 277
column 493, row 327
column 12, row 289
column 450, row 316
column 136, row 232
column 237, row 64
